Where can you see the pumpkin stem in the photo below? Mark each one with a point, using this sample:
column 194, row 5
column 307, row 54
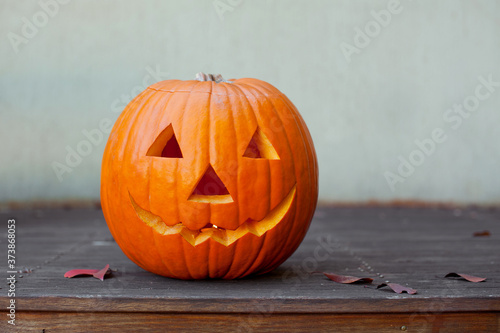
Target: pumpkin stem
column 211, row 77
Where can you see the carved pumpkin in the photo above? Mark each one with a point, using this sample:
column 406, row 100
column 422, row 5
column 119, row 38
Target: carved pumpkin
column 209, row 178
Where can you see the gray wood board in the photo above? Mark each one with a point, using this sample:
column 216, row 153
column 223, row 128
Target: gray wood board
column 409, row 246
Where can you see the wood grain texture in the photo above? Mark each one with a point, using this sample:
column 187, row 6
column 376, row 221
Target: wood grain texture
column 413, row 246
column 153, row 322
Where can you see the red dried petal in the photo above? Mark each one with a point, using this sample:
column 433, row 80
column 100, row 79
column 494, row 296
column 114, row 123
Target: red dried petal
column 76, row 272
column 466, row 276
column 347, row 279
column 397, row 288
column 97, row 273
column 100, row 274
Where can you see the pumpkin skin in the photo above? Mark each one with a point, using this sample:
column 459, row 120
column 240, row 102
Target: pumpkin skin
column 247, row 133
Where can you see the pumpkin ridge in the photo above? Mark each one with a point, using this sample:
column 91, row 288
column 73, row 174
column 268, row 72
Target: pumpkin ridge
column 156, row 237
column 236, row 194
column 224, row 153
column 165, row 106
column 110, row 146
column 130, row 120
column 276, row 113
column 184, row 253
column 311, row 151
column 288, row 241
column 291, row 240
column 235, row 250
column 311, row 169
column 253, row 114
column 153, row 162
column 259, row 259
column 237, row 253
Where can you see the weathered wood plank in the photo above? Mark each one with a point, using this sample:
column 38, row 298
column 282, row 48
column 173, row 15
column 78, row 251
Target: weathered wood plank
column 117, row 322
column 413, row 246
column 229, row 304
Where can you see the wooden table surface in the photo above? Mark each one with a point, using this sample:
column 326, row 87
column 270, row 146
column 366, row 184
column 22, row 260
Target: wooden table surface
column 409, row 246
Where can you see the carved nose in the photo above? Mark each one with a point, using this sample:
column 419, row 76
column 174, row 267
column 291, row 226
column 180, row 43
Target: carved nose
column 210, row 188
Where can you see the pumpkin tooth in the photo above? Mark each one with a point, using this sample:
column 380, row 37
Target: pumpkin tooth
column 234, row 235
column 204, row 235
column 189, row 235
column 251, row 227
column 171, row 230
column 220, row 236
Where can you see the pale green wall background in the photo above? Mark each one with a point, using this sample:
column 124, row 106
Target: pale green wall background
column 75, row 70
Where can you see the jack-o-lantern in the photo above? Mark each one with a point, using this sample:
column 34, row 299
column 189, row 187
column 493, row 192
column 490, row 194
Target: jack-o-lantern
column 209, row 178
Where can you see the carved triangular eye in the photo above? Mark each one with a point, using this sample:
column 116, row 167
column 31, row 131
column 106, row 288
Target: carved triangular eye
column 165, row 145
column 260, row 147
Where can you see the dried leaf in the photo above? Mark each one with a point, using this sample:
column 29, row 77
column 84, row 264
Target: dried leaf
column 467, row 277
column 347, row 279
column 397, row 288
column 100, row 274
column 77, row 272
column 484, row 233
column 97, row 273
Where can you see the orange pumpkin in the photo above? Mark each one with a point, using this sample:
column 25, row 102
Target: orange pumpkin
column 209, row 178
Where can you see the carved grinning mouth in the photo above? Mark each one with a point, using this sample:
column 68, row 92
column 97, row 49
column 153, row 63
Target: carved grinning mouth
column 223, row 236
